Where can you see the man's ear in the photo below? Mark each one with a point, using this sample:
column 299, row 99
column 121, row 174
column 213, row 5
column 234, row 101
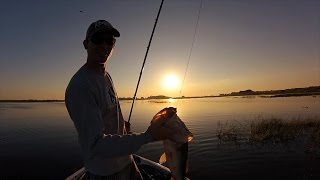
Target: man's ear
column 85, row 44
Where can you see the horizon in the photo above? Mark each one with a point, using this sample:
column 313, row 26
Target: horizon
column 182, row 96
column 261, row 45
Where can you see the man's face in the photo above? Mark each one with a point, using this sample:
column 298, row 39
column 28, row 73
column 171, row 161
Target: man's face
column 100, row 47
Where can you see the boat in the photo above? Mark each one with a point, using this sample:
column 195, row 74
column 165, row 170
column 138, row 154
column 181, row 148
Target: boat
column 149, row 170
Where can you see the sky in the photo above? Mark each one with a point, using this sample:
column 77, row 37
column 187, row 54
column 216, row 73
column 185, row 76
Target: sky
column 238, row 45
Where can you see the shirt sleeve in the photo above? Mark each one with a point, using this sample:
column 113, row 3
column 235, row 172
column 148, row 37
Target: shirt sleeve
column 83, row 108
column 120, row 145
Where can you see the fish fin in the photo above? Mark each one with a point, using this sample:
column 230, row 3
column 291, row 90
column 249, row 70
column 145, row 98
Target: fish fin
column 163, row 158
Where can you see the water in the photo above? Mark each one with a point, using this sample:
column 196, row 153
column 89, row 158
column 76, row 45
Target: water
column 38, row 140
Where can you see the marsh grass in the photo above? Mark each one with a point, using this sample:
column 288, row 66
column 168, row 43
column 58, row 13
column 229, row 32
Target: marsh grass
column 273, row 131
column 233, row 132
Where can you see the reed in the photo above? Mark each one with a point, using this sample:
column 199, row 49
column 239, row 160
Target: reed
column 279, row 130
column 273, row 130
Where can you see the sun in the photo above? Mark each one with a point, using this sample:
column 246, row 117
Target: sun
column 171, row 81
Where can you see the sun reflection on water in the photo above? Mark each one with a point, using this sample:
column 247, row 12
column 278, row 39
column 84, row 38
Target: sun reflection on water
column 170, row 100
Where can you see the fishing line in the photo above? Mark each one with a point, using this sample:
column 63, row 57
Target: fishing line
column 190, row 53
column 144, row 61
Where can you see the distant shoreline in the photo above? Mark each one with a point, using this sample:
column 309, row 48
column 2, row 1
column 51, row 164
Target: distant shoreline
column 235, row 96
column 193, row 97
column 294, row 92
column 31, row 100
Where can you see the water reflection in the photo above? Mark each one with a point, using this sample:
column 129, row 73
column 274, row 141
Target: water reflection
column 43, row 132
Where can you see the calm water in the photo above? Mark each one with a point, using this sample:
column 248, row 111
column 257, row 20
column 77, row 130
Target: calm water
column 39, row 139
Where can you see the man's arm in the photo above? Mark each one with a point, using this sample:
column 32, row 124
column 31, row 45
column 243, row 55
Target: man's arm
column 82, row 105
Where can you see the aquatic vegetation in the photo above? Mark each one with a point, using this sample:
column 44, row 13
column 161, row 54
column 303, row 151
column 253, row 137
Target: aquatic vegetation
column 278, row 130
column 231, row 132
column 273, row 131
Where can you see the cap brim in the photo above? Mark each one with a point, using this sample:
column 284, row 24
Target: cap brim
column 116, row 33
column 112, row 31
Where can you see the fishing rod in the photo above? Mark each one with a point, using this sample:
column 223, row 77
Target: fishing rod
column 190, row 53
column 144, row 61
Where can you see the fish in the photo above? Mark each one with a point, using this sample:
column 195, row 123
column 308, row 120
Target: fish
column 175, row 148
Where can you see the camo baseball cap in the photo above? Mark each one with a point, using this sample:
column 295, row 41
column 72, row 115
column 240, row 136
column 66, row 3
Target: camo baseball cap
column 101, row 25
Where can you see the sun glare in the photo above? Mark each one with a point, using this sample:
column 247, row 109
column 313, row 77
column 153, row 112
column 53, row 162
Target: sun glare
column 170, row 82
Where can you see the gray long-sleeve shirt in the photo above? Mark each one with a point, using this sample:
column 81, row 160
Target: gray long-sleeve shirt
column 93, row 106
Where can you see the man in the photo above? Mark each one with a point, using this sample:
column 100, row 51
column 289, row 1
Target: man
column 93, row 106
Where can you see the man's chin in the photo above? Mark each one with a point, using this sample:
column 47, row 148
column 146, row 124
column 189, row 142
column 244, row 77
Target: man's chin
column 102, row 64
column 102, row 61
